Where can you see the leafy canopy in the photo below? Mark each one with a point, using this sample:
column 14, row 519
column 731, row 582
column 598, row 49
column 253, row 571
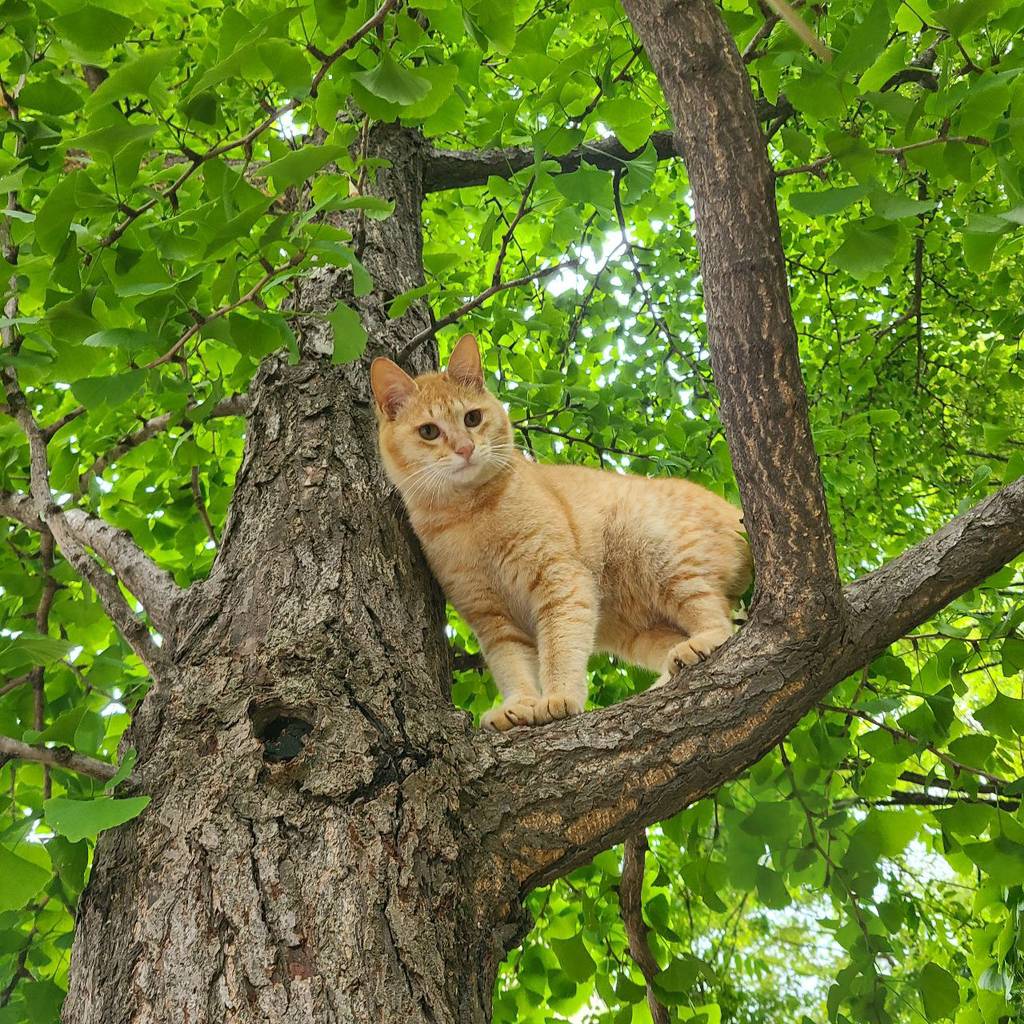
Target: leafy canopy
column 168, row 168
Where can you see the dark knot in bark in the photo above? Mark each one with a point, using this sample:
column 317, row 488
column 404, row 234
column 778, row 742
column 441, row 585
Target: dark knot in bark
column 282, row 731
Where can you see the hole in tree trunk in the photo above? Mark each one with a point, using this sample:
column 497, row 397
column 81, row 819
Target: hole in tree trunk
column 281, row 731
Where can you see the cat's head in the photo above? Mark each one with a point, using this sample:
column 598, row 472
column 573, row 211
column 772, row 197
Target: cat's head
column 441, row 434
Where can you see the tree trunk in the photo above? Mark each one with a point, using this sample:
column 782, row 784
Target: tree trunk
column 303, row 858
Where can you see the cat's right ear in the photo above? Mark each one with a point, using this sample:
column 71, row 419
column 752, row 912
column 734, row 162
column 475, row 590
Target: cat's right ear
column 392, row 386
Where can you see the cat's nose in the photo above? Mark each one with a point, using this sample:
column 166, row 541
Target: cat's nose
column 465, row 450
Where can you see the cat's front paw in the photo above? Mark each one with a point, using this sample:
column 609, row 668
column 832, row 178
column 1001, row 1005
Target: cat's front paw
column 554, row 706
column 513, row 713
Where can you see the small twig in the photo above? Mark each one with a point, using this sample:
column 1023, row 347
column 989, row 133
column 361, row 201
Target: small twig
column 902, row 798
column 479, row 300
column 750, row 51
column 60, row 524
column 59, row 757
column 815, row 166
column 647, row 299
column 572, row 439
column 510, row 231
column 202, row 321
column 13, row 684
column 197, row 494
column 904, row 735
column 463, row 661
column 631, row 910
column 50, row 587
column 368, row 26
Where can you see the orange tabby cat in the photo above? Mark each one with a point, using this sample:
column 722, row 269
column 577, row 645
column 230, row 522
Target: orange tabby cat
column 550, row 563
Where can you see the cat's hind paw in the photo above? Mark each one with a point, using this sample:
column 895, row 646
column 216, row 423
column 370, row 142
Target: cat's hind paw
column 554, row 706
column 510, row 715
column 691, row 650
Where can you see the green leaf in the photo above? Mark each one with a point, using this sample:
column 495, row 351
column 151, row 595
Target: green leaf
column 978, row 250
column 123, row 770
column 940, row 993
column 288, row 66
column 817, row 94
column 586, row 186
column 828, row 201
column 865, row 41
column 31, row 649
column 43, row 1000
column 1000, row 858
column 771, row 889
column 642, row 169
column 402, row 302
column 391, row 82
column 1003, row 717
column 51, row 96
column 896, row 207
column 120, row 338
column 865, row 251
column 349, row 333
column 81, row 819
column 135, row 77
column 1013, row 656
column 21, row 880
column 301, row 164
column 960, row 18
column 441, row 82
column 93, row 30
column 111, row 390
column 574, row 959
column 973, row 750
column 53, row 219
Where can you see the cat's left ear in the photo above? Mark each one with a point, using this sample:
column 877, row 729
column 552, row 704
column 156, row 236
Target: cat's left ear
column 464, row 364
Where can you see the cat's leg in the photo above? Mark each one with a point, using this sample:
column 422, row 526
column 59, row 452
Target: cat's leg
column 566, row 606
column 647, row 647
column 707, row 619
column 511, row 655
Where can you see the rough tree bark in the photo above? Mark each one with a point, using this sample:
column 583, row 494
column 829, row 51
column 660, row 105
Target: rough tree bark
column 328, row 839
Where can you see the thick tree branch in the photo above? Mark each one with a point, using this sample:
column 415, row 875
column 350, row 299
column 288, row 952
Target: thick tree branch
column 59, row 757
column 153, row 586
column 555, row 797
column 19, row 507
column 74, row 530
column 452, row 168
column 750, row 324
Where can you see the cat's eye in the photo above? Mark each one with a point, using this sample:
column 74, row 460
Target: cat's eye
column 430, row 431
column 473, row 418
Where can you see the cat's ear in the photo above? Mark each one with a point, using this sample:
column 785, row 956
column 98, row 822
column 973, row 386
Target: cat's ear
column 464, row 364
column 392, row 386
